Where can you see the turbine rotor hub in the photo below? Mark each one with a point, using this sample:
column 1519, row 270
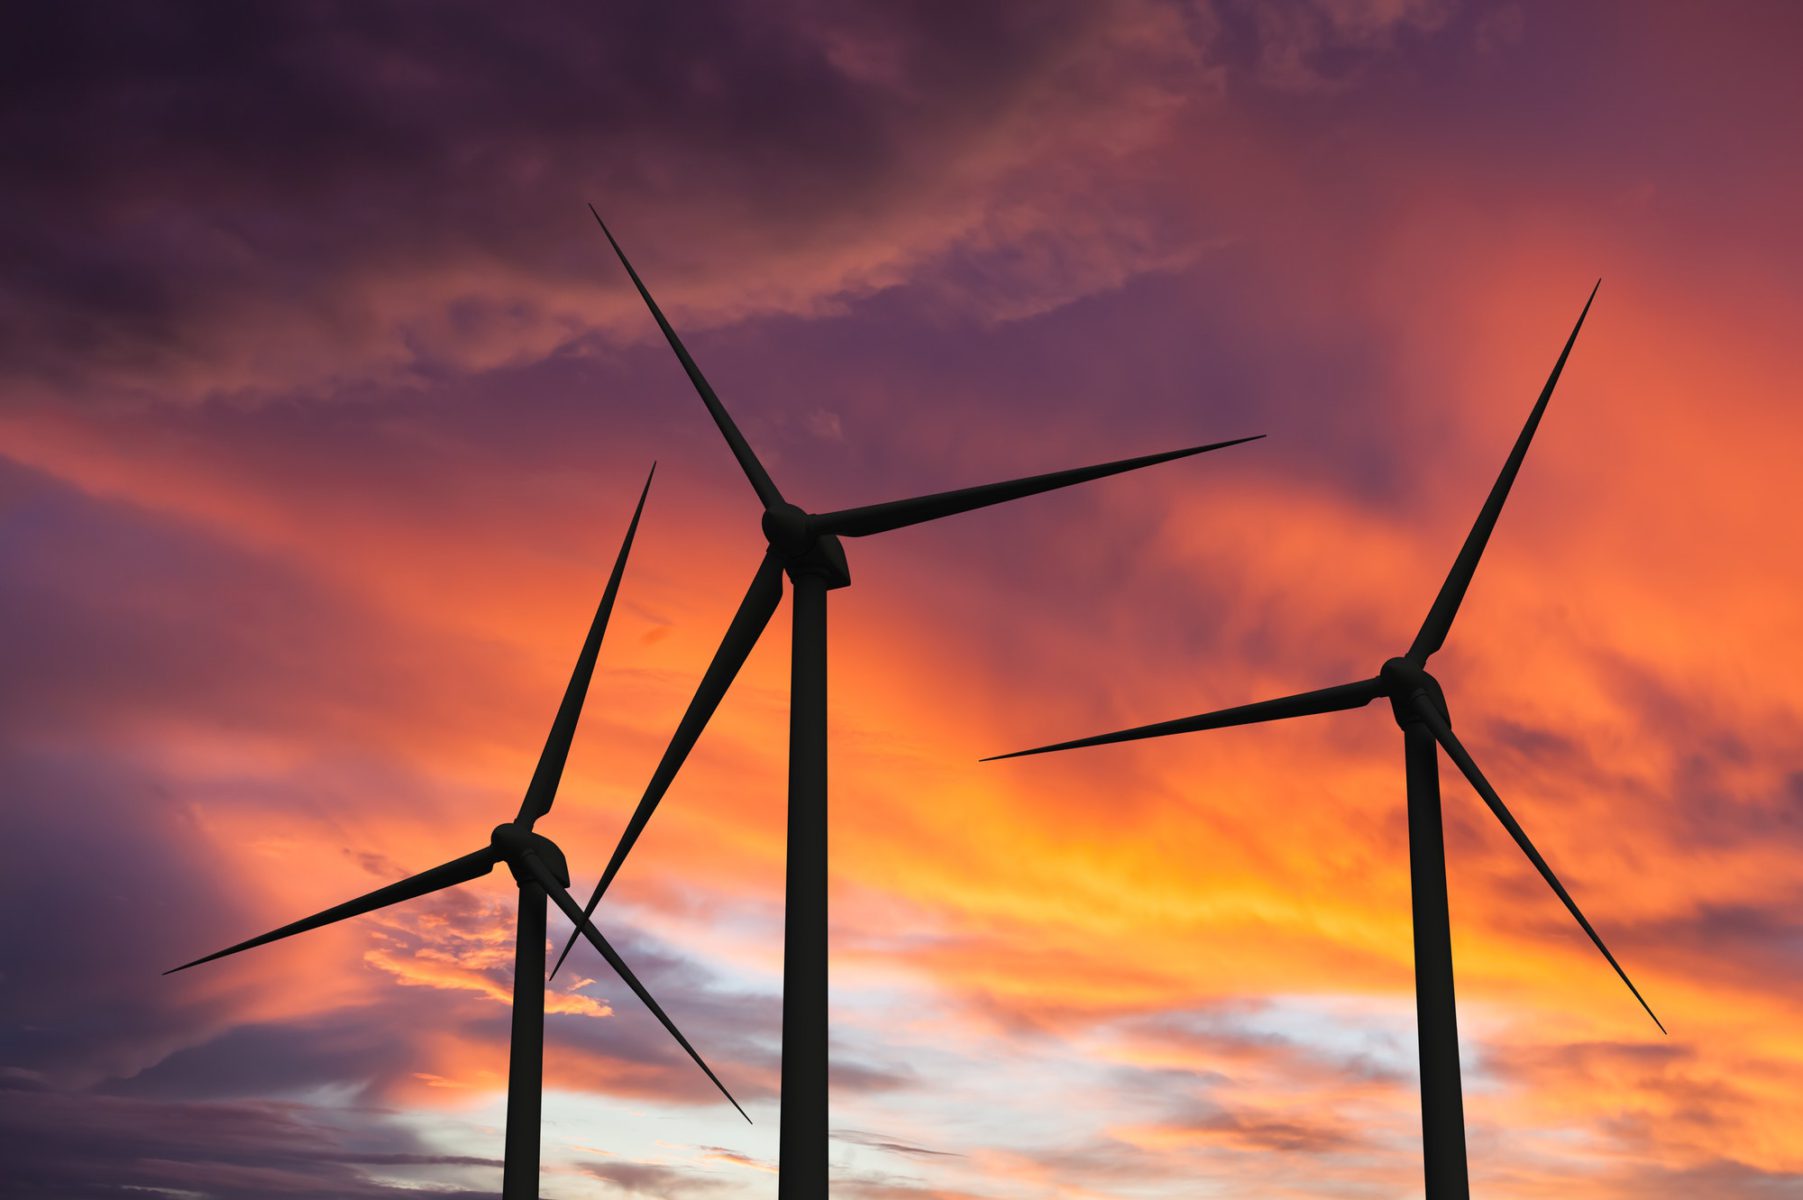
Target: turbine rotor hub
column 789, row 531
column 517, row 843
column 802, row 550
column 1403, row 681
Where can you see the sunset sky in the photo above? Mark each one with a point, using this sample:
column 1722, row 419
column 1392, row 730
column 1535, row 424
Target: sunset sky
column 324, row 405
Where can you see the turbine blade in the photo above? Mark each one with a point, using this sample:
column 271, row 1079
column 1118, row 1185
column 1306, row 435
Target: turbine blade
column 583, row 925
column 897, row 514
column 1456, row 751
column 1446, row 605
column 458, row 870
column 748, row 623
column 1305, row 704
column 741, row 449
column 542, row 791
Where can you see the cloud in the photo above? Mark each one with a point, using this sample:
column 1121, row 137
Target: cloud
column 73, row 1146
column 294, row 1058
column 266, row 199
column 879, row 1142
column 1243, row 1131
column 1312, row 46
column 1719, row 1177
column 268, row 655
column 652, row 1180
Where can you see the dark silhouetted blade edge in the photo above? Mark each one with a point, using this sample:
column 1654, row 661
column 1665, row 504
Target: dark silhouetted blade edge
column 1456, row 751
column 587, row 929
column 897, row 514
column 1305, row 704
column 741, row 449
column 542, row 791
column 458, row 870
column 1446, row 605
column 748, row 623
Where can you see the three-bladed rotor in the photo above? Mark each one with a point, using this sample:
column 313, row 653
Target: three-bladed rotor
column 534, row 859
column 1416, row 698
column 799, row 542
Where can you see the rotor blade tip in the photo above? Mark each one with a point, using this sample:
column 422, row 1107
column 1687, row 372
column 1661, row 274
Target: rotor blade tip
column 607, row 232
column 567, row 946
column 1239, row 441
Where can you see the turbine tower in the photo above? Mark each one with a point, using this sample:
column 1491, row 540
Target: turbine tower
column 1420, row 710
column 539, row 869
column 806, row 547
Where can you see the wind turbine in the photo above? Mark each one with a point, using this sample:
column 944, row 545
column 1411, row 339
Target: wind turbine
column 1420, row 710
column 806, row 547
column 539, row 869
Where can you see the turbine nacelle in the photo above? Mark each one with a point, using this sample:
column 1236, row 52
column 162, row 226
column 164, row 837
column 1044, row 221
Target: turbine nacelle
column 515, row 844
column 797, row 543
column 1402, row 681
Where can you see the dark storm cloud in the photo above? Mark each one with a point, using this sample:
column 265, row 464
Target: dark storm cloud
column 123, row 637
column 276, row 1060
column 60, row 1146
column 184, row 172
column 134, row 892
column 131, row 891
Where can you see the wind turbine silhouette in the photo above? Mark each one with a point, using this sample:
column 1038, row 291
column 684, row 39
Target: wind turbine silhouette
column 1420, row 710
column 539, row 869
column 806, row 547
